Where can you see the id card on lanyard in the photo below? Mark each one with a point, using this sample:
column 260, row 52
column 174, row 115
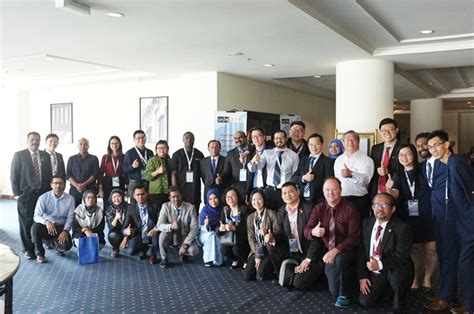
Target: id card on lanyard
column 413, row 208
column 115, row 178
column 293, row 244
column 189, row 172
column 143, row 160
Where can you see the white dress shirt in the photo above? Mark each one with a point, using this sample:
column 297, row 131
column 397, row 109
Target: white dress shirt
column 362, row 167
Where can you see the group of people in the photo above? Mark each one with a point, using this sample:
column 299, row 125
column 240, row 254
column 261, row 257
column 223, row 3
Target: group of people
column 335, row 217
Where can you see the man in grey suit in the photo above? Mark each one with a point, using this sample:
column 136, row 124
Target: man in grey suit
column 30, row 177
column 179, row 227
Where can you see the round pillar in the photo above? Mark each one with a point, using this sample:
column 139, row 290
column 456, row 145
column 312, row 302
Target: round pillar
column 364, row 94
column 425, row 116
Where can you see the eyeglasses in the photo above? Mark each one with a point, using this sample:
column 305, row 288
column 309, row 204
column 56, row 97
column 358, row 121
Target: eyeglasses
column 386, row 131
column 140, row 137
column 435, row 146
column 381, row 205
column 405, row 155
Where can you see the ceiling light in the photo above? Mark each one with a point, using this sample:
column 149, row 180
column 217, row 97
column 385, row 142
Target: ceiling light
column 114, row 14
column 73, row 7
column 235, row 54
column 468, row 102
column 430, row 83
column 268, row 65
column 317, row 76
column 427, row 31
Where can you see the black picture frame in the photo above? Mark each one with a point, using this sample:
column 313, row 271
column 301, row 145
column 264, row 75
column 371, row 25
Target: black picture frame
column 153, row 118
column 61, row 121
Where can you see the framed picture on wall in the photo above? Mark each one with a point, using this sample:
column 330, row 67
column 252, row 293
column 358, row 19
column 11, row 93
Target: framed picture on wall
column 367, row 140
column 154, row 118
column 61, row 121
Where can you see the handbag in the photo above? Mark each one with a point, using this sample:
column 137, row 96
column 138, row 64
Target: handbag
column 228, row 238
column 287, row 273
column 88, row 250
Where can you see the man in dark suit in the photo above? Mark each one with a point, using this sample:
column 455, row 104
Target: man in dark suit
column 30, row 177
column 384, row 255
column 384, row 155
column 235, row 168
column 57, row 161
column 291, row 242
column 212, row 168
column 140, row 226
column 312, row 170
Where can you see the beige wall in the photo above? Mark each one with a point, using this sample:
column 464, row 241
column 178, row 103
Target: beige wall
column 235, row 92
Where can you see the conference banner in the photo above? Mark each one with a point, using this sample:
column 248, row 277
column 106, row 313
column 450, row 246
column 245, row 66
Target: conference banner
column 285, row 121
column 225, row 124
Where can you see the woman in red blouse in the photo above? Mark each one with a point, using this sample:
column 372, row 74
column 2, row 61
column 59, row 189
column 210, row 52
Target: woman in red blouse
column 111, row 174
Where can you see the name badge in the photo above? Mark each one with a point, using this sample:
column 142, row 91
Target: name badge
column 293, row 244
column 189, row 176
column 243, row 175
column 115, row 181
column 261, row 250
column 413, row 208
column 142, row 174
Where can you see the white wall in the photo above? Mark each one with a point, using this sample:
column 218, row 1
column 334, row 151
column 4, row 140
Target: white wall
column 235, row 92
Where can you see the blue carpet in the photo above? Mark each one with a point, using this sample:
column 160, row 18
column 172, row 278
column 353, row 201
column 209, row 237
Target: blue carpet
column 126, row 285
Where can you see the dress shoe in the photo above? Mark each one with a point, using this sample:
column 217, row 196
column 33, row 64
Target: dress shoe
column 29, row 255
column 459, row 310
column 141, row 255
column 60, row 253
column 164, row 263
column 114, row 254
column 184, row 258
column 41, row 259
column 208, row 264
column 152, row 260
column 437, row 305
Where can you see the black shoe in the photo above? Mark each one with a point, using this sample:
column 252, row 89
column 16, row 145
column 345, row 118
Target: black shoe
column 141, row 255
column 163, row 263
column 208, row 264
column 29, row 255
column 60, row 253
column 184, row 258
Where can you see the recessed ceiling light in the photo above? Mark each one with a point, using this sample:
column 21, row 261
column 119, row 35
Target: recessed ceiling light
column 468, row 102
column 317, row 76
column 268, row 65
column 427, row 31
column 235, row 54
column 114, row 14
column 430, row 83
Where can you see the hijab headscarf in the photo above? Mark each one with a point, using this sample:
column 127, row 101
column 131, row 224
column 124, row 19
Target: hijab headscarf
column 338, row 142
column 112, row 209
column 88, row 216
column 212, row 213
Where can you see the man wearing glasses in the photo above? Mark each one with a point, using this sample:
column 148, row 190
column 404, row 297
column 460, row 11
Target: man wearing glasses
column 384, row 155
column 384, row 255
column 134, row 161
column 453, row 212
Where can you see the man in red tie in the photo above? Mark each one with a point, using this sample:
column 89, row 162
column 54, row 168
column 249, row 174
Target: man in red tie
column 336, row 221
column 384, row 255
column 384, row 155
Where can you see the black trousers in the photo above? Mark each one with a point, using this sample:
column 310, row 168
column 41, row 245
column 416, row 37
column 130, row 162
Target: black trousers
column 273, row 198
column 39, row 232
column 398, row 280
column 341, row 274
column 265, row 271
column 363, row 204
column 115, row 238
column 26, row 209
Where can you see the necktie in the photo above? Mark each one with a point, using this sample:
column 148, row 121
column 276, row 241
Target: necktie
column 332, row 231
column 213, row 166
column 385, row 161
column 277, row 172
column 377, row 249
column 54, row 163
column 306, row 191
column 36, row 171
column 429, row 172
column 143, row 217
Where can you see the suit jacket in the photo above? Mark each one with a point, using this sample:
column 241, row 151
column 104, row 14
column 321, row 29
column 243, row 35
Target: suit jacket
column 133, row 217
column 322, row 169
column 396, row 247
column 269, row 223
column 209, row 179
column 312, row 249
column 21, row 174
column 232, row 171
column 376, row 154
column 188, row 221
column 61, row 169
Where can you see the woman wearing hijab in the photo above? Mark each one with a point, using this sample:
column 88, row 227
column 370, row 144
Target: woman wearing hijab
column 335, row 149
column 116, row 213
column 88, row 219
column 209, row 221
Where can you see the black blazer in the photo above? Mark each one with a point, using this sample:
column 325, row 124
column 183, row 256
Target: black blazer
column 376, row 154
column 133, row 217
column 396, row 247
column 232, row 168
column 61, row 171
column 322, row 169
column 208, row 179
column 21, row 174
column 313, row 249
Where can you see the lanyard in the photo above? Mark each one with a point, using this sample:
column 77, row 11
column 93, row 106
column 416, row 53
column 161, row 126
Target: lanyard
column 190, row 160
column 411, row 185
column 115, row 166
column 143, row 159
column 258, row 227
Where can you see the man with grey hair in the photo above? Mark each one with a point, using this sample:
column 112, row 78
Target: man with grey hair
column 355, row 170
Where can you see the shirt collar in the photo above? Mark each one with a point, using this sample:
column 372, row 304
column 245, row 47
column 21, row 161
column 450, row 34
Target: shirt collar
column 383, row 224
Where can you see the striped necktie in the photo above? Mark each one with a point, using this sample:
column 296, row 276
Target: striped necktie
column 277, row 171
column 306, row 191
column 36, row 172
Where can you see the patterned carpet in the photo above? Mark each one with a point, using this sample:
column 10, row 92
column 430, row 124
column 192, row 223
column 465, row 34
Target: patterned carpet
column 126, row 285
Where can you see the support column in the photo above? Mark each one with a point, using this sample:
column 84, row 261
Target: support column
column 425, row 116
column 364, row 94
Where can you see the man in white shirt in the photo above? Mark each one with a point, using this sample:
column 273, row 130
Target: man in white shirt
column 281, row 163
column 355, row 170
